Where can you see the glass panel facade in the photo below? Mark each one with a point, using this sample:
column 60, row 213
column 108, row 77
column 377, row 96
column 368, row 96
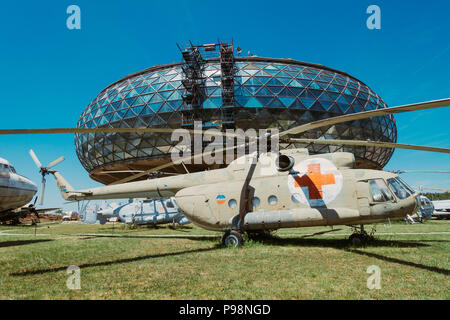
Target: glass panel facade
column 267, row 94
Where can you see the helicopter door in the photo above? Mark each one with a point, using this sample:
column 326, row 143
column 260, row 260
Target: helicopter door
column 362, row 191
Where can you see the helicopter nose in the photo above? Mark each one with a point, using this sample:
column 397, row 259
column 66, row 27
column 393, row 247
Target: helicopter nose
column 417, row 204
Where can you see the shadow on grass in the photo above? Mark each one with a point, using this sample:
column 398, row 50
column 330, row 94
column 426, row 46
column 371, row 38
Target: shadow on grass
column 343, row 244
column 112, row 262
column 399, row 261
column 21, row 242
column 338, row 243
column 155, row 236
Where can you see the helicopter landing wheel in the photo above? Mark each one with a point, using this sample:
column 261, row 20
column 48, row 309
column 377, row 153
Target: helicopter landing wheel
column 357, row 239
column 232, row 239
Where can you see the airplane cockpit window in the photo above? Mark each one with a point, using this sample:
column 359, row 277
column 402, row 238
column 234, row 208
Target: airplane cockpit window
column 400, row 191
column 4, row 168
column 380, row 191
column 11, row 169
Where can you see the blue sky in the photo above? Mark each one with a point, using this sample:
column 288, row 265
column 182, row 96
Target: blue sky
column 50, row 73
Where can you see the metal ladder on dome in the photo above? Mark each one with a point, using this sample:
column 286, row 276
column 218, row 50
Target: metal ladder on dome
column 227, row 85
column 194, row 84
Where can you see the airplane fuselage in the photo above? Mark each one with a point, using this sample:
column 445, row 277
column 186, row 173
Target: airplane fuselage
column 15, row 190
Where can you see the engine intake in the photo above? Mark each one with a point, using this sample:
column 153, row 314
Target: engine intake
column 284, row 162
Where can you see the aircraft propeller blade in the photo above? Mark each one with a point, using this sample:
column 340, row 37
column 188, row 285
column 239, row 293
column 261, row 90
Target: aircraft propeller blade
column 367, row 114
column 35, row 159
column 55, row 162
column 362, row 143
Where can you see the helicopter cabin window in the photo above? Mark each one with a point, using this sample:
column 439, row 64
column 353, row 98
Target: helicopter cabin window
column 232, row 203
column 256, row 202
column 380, row 191
column 400, row 191
column 273, row 200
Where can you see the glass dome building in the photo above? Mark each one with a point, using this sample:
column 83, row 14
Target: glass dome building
column 264, row 93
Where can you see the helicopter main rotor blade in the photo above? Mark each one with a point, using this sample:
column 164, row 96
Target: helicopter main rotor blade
column 116, row 130
column 182, row 160
column 368, row 144
column 121, row 171
column 35, row 159
column 419, row 171
column 55, row 162
column 367, row 114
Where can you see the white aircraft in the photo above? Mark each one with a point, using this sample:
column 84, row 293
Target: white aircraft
column 16, row 192
column 441, row 209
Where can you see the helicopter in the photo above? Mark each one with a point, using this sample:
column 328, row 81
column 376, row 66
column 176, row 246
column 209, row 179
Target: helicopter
column 279, row 189
column 139, row 212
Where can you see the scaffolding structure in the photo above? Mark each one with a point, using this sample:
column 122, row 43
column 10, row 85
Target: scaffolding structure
column 227, row 84
column 194, row 57
column 194, row 83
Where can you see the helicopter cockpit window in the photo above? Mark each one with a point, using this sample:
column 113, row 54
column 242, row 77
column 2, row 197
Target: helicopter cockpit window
column 400, row 191
column 405, row 185
column 380, row 191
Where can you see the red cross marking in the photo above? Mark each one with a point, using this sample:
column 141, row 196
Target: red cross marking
column 314, row 180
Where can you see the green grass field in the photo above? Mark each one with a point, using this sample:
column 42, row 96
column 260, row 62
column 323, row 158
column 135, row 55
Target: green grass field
column 291, row 265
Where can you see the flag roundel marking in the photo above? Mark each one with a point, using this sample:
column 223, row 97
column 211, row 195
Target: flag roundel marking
column 220, row 199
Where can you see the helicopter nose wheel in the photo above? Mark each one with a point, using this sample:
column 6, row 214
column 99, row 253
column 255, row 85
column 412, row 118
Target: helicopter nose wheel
column 232, row 239
column 361, row 237
column 358, row 239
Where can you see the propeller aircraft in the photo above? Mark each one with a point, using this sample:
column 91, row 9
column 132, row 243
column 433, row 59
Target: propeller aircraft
column 16, row 192
column 268, row 191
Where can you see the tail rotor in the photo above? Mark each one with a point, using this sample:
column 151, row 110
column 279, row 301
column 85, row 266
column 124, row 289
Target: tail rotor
column 44, row 171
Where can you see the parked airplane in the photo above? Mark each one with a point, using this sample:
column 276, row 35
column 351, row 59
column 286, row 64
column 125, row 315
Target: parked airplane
column 16, row 192
column 441, row 209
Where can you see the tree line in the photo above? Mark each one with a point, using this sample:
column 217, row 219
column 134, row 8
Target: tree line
column 437, row 195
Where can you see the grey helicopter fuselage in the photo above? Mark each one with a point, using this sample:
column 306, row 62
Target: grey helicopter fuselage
column 273, row 191
column 147, row 211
